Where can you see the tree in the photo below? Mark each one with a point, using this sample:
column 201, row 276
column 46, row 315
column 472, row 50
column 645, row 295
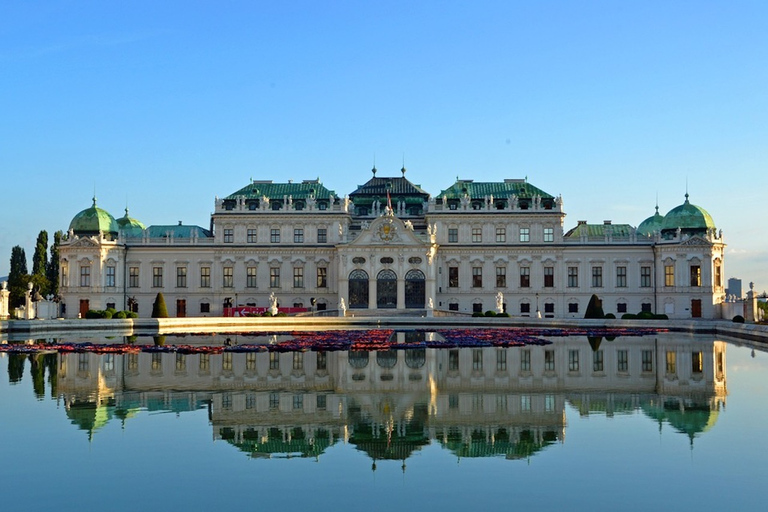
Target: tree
column 52, row 272
column 17, row 278
column 594, row 308
column 40, row 264
column 159, row 310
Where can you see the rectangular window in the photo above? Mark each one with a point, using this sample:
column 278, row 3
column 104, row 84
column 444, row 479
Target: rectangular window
column 647, row 356
column 453, row 277
column 525, row 234
column 501, row 235
column 322, row 235
column 671, row 362
column 298, row 236
column 645, row 277
column 133, row 277
column 549, row 277
column 573, row 277
column 477, row 307
column 181, row 277
column 621, row 277
column 322, row 277
column 718, row 276
column 322, row 360
column 525, row 360
column 298, row 277
column 621, row 307
column 549, row 307
column 251, row 236
column 695, row 275
column 229, row 236
column 573, row 307
column 204, row 363
column 697, row 366
column 669, row 275
column 622, row 361
column 274, row 277
column 274, row 236
column 274, row 360
column 298, row 360
column 157, row 277
column 251, row 279
column 205, row 277
column 205, row 307
column 597, row 277
column 110, row 278
column 501, row 277
column 525, row 277
column 477, row 359
column 573, row 360
column 453, row 235
column 525, row 403
column 453, row 306
column 501, row 360
column 645, row 307
column 549, row 360
column 477, row 277
column 597, row 361
column 549, row 234
column 274, row 399
column 453, row 360
column 525, row 308
column 229, row 277
column 85, row 275
column 477, row 235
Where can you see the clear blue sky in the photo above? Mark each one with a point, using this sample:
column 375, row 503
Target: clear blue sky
column 164, row 105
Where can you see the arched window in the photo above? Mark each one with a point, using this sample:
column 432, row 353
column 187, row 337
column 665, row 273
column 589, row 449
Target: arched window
column 386, row 358
column 358, row 359
column 386, row 289
column 414, row 289
column 415, row 358
column 358, row 289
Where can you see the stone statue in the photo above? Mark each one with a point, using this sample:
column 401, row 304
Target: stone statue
column 431, row 304
column 499, row 302
column 272, row 304
column 408, row 225
column 342, row 307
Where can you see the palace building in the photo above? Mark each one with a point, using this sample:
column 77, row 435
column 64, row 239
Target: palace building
column 390, row 247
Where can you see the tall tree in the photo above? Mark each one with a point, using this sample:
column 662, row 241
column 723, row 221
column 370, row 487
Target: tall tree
column 40, row 259
column 52, row 272
column 17, row 278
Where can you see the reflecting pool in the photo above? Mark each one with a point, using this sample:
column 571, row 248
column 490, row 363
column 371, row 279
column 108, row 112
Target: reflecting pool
column 666, row 421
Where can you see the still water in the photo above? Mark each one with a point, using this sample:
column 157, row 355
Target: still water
column 665, row 422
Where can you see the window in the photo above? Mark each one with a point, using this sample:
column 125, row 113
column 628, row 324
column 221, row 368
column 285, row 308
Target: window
column 621, row 277
column 501, row 360
column 251, row 236
column 204, row 363
column 671, row 362
column 298, row 277
column 718, row 275
column 525, row 360
column 205, row 277
column 597, row 361
column 621, row 307
column 697, row 365
column 525, row 234
column 549, row 307
column 298, row 236
column 453, row 360
column 133, row 277
column 322, row 235
column 110, row 278
column 274, row 399
column 573, row 277
column 669, row 275
column 647, row 358
column 181, row 277
column 274, row 236
column 298, row 361
column 622, row 361
column 525, row 308
column 205, row 307
column 477, row 307
column 453, row 277
column 322, row 277
column 226, row 361
column 298, row 401
column 85, row 275
column 549, row 277
column 645, row 307
column 501, row 235
column 229, row 277
column 322, row 360
column 695, row 275
column 229, row 235
column 274, row 360
column 477, row 235
column 453, row 306
column 157, row 277
column 597, row 277
column 274, row 277
column 477, row 277
column 573, row 360
column 549, row 234
column 477, row 359
column 573, row 307
column 453, row 235
column 251, row 279
column 501, row 277
column 525, row 403
column 645, row 277
column 525, row 277
column 64, row 276
column 549, row 360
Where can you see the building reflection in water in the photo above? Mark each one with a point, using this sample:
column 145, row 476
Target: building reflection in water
column 475, row 402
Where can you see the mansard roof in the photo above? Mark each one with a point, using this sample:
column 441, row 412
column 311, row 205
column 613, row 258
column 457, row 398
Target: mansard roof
column 303, row 190
column 499, row 189
column 395, row 186
column 599, row 230
column 174, row 230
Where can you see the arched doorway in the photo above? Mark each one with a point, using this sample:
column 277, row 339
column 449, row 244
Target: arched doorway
column 414, row 289
column 386, row 289
column 358, row 289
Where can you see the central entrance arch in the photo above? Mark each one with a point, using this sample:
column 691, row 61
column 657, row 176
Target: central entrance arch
column 358, row 289
column 386, row 289
column 415, row 289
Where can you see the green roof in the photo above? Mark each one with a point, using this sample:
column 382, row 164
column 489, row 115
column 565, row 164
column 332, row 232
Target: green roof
column 302, row 190
column 687, row 216
column 176, row 230
column 126, row 222
column 93, row 220
column 498, row 189
column 599, row 230
column 651, row 225
column 395, row 186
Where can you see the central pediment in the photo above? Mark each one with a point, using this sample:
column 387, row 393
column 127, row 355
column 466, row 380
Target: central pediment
column 388, row 230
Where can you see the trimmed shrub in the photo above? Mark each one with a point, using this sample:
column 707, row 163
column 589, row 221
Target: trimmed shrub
column 628, row 316
column 504, row 314
column 119, row 314
column 645, row 315
column 112, row 311
column 159, row 310
column 105, row 314
column 661, row 316
column 131, row 314
column 738, row 319
column 281, row 313
column 594, row 308
column 92, row 314
column 490, row 312
column 610, row 316
column 478, row 313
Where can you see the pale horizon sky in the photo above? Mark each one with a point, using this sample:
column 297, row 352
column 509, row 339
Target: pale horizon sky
column 161, row 106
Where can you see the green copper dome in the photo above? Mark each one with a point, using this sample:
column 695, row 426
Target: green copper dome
column 126, row 222
column 93, row 220
column 651, row 225
column 689, row 218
